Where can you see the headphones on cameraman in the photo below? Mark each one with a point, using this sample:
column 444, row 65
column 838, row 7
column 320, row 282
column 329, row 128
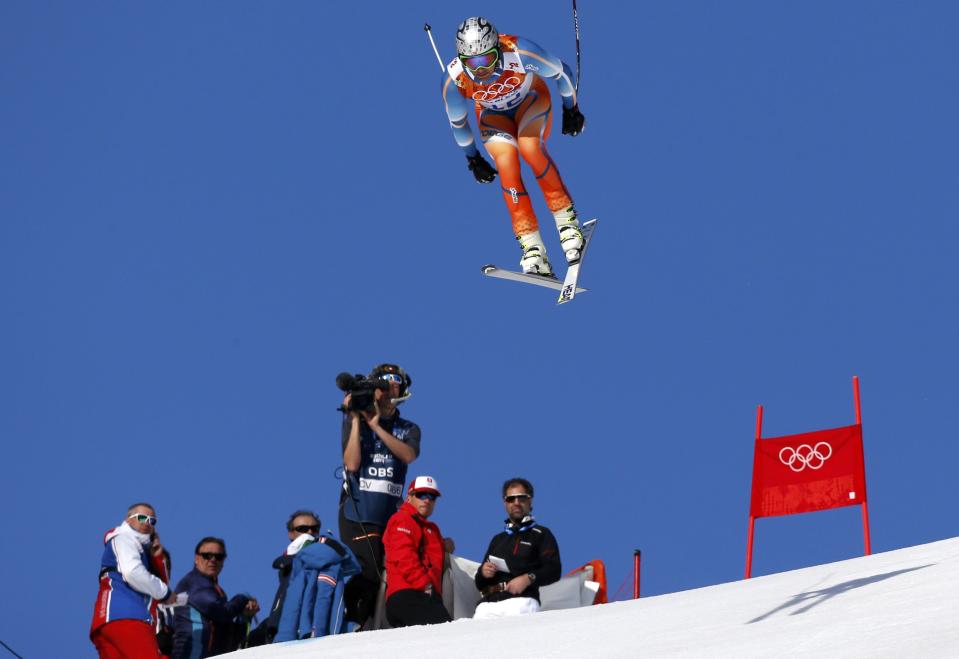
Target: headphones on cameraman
column 393, row 369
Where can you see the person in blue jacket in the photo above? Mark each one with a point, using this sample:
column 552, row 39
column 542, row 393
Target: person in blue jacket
column 314, row 604
column 209, row 624
column 133, row 576
column 302, row 528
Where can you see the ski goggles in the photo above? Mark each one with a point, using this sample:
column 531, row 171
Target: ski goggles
column 144, row 519
column 482, row 63
column 392, row 377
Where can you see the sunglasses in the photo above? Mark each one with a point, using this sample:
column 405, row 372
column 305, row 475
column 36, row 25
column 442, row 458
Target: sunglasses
column 392, row 377
column 425, row 496
column 482, row 63
column 144, row 519
column 303, row 528
column 513, row 498
column 209, row 556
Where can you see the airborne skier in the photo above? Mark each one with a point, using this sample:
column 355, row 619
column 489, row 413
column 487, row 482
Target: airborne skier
column 503, row 76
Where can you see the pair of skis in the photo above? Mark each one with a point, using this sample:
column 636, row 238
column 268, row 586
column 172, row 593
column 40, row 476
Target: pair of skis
column 568, row 288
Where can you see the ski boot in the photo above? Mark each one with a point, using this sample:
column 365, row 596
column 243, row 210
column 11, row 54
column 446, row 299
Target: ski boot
column 571, row 239
column 570, row 236
column 535, row 262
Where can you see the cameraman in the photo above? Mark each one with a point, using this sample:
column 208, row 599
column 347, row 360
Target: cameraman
column 378, row 445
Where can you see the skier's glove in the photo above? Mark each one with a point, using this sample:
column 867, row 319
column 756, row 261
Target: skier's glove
column 483, row 172
column 573, row 121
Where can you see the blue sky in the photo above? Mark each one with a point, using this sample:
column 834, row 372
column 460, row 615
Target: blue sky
column 208, row 211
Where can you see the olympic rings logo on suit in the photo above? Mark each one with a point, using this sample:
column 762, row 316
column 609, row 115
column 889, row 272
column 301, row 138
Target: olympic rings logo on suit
column 805, row 455
column 497, row 89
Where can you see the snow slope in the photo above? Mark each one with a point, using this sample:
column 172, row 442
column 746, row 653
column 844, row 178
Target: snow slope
column 897, row 604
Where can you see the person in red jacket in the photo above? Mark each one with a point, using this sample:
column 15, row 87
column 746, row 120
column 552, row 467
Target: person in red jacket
column 414, row 559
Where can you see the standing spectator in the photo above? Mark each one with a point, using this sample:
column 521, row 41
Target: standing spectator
column 209, row 625
column 531, row 557
column 378, row 445
column 414, row 560
column 302, row 527
column 131, row 579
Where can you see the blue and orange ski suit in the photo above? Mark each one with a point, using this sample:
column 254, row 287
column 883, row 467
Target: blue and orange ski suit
column 514, row 113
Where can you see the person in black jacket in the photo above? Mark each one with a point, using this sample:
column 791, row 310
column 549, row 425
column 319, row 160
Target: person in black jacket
column 526, row 549
column 302, row 527
column 209, row 624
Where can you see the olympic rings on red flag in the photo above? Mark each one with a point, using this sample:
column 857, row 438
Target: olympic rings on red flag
column 805, row 455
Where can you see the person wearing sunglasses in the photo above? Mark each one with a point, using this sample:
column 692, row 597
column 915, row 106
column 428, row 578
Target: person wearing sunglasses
column 302, row 528
column 415, row 552
column 378, row 446
column 502, row 80
column 210, row 624
column 530, row 554
column 321, row 567
column 133, row 575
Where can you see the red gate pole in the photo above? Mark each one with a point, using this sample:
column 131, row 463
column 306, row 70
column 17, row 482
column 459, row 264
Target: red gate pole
column 865, row 527
column 637, row 557
column 855, row 396
column 865, row 509
column 752, row 520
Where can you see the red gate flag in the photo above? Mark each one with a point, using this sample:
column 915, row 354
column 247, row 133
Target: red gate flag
column 806, row 472
column 810, row 471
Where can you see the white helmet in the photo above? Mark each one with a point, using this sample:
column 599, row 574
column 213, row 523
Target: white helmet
column 475, row 36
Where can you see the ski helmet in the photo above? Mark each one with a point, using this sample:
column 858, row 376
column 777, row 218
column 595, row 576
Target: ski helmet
column 475, row 36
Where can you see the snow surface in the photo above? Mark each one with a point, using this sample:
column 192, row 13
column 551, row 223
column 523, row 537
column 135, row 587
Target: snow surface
column 897, row 604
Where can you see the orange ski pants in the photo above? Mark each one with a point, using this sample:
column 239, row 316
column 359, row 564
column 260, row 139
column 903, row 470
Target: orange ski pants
column 523, row 131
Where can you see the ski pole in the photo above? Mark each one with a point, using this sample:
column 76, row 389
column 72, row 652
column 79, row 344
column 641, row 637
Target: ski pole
column 429, row 33
column 576, row 29
column 10, row 650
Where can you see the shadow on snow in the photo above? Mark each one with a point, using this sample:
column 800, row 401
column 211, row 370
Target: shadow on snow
column 809, row 599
